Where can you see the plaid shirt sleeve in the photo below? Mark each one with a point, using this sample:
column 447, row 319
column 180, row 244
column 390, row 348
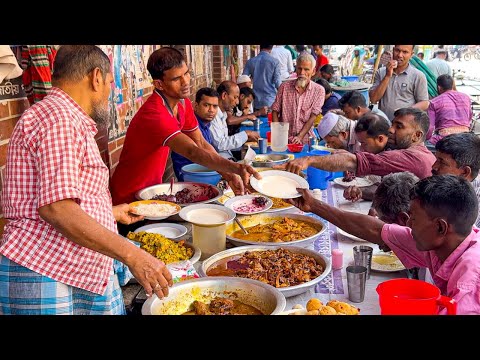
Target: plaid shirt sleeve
column 60, row 153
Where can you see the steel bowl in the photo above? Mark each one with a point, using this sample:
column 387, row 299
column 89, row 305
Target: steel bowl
column 286, row 291
column 181, row 296
column 149, row 192
column 266, row 218
column 270, row 160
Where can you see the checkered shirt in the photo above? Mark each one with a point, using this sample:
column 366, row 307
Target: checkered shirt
column 52, row 155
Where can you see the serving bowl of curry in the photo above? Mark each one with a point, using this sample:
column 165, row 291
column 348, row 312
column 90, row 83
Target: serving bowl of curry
column 217, row 296
column 268, row 229
column 292, row 270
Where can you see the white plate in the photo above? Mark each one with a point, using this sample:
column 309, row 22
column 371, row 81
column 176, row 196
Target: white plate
column 358, row 181
column 348, row 235
column 198, row 214
column 169, row 230
column 280, row 209
column 247, row 123
column 279, row 184
column 247, row 199
column 393, row 267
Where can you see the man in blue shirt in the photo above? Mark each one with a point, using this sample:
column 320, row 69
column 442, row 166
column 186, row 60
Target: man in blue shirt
column 264, row 70
column 205, row 107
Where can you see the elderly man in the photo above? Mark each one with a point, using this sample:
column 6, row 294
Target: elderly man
column 244, row 81
column 339, row 132
column 167, row 121
column 299, row 101
column 459, row 154
column 450, row 112
column 61, row 234
column 406, row 138
column 354, row 105
column 437, row 237
column 229, row 94
column 399, row 84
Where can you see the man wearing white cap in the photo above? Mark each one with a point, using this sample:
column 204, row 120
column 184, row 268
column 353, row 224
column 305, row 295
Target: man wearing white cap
column 244, row 81
column 339, row 132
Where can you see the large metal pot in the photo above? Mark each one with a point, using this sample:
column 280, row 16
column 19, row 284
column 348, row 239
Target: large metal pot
column 286, row 291
column 181, row 296
column 270, row 160
column 266, row 218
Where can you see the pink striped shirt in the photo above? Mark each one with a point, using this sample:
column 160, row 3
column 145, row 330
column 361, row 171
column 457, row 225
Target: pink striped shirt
column 452, row 108
column 296, row 109
column 52, row 156
column 457, row 277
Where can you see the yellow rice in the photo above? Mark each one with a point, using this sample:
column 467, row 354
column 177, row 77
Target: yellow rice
column 162, row 248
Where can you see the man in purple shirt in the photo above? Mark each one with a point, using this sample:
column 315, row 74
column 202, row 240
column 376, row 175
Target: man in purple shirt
column 450, row 112
column 437, row 237
column 406, row 137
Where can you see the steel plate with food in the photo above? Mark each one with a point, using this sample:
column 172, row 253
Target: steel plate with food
column 154, row 209
column 167, row 250
column 269, row 229
column 183, row 193
column 292, row 270
column 249, row 204
column 277, row 204
column 269, row 160
column 217, row 296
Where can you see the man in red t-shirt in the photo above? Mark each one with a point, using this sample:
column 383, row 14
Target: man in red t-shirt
column 321, row 60
column 167, row 121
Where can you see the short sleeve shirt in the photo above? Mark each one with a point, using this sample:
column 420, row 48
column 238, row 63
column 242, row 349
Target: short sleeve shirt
column 145, row 151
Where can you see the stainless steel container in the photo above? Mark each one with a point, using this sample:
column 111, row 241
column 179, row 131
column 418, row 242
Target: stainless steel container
column 262, row 146
column 256, row 124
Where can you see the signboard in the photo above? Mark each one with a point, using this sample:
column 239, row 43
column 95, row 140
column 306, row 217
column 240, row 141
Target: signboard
column 12, row 89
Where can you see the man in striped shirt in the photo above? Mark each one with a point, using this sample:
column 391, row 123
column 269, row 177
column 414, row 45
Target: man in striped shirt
column 58, row 246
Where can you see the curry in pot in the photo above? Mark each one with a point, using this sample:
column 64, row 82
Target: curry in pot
column 222, row 306
column 284, row 230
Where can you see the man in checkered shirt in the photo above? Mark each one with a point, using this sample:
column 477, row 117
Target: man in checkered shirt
column 57, row 251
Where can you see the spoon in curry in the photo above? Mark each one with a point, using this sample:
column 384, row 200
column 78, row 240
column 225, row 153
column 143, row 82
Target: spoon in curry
column 241, row 226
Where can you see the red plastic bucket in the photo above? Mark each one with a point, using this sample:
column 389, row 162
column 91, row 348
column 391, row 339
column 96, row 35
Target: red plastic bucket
column 412, row 297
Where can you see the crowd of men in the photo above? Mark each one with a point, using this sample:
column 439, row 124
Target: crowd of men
column 64, row 211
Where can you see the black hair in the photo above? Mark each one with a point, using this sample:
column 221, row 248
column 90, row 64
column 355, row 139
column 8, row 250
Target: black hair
column 373, row 124
column 164, row 59
column 449, row 196
column 464, row 148
column 352, row 98
column 74, row 62
column 327, row 68
column 206, row 91
column 393, row 194
column 420, row 117
column 325, row 84
column 268, row 47
column 445, row 81
column 247, row 92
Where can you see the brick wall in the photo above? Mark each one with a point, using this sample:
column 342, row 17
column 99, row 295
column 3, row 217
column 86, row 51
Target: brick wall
column 207, row 68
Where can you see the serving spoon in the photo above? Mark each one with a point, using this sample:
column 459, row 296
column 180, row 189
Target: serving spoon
column 241, row 226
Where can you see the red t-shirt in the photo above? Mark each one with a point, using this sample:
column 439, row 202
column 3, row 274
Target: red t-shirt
column 321, row 60
column 145, row 153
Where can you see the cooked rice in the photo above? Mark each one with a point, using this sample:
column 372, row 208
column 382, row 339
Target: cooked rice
column 155, row 209
column 162, row 248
